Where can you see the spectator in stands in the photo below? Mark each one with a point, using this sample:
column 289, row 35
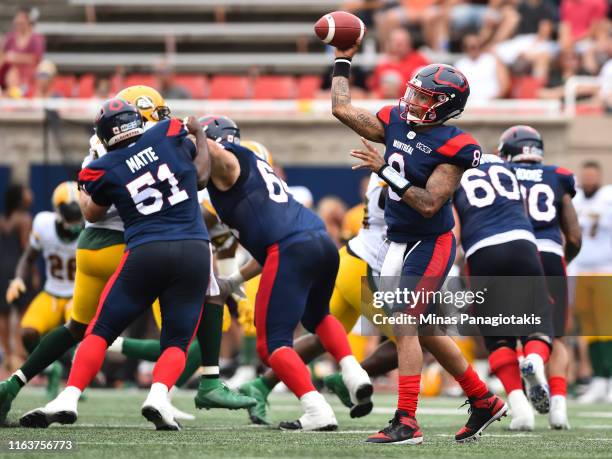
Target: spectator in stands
column 452, row 19
column 567, row 65
column 103, row 88
column 332, row 209
column 532, row 40
column 15, row 226
column 358, row 80
column 605, row 82
column 488, row 77
column 400, row 59
column 583, row 24
column 22, row 51
column 417, row 14
column 166, row 84
column 45, row 74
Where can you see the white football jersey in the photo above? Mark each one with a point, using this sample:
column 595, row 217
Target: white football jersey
column 595, row 218
column 59, row 255
column 369, row 242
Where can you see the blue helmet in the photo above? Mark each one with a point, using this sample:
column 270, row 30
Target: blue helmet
column 117, row 122
column 221, row 128
column 521, row 143
column 435, row 94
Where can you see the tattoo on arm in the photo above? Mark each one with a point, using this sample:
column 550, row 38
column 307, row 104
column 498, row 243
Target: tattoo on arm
column 440, row 187
column 358, row 119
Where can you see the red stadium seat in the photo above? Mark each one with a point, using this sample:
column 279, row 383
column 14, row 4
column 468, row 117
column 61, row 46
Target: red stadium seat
column 196, row 85
column 274, row 87
column 137, row 78
column 87, row 86
column 229, row 87
column 308, row 86
column 64, row 85
column 526, row 87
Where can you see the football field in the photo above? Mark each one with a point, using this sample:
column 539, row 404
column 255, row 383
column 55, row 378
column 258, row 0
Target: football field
column 110, row 426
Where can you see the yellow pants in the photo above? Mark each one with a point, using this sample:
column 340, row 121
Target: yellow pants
column 94, row 269
column 593, row 301
column 46, row 312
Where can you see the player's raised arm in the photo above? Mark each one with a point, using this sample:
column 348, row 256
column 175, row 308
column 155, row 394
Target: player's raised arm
column 225, row 167
column 570, row 228
column 202, row 158
column 427, row 201
column 24, row 266
column 360, row 120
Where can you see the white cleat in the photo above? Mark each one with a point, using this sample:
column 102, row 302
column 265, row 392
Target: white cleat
column 318, row 415
column 557, row 417
column 532, row 370
column 244, row 373
column 359, row 386
column 521, row 412
column 63, row 410
column 158, row 410
column 597, row 391
column 176, row 413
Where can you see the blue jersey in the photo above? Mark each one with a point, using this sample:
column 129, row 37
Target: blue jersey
column 259, row 207
column 490, row 206
column 415, row 156
column 153, row 184
column 543, row 188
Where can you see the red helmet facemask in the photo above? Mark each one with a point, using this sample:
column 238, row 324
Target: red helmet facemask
column 419, row 104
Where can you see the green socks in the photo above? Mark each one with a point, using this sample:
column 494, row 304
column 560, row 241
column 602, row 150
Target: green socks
column 143, row 349
column 248, row 351
column 209, row 337
column 51, row 347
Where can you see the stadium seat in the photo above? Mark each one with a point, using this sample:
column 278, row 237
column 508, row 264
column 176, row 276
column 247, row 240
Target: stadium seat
column 86, row 86
column 138, row 78
column 274, row 87
column 526, row 87
column 229, row 87
column 197, row 85
column 65, row 85
column 308, row 86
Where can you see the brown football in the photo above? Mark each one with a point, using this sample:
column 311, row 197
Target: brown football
column 340, row 29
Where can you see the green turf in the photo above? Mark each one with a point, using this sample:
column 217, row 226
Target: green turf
column 110, row 426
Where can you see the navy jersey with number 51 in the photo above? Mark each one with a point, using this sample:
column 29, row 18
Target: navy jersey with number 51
column 259, row 206
column 415, row 156
column 153, row 184
column 490, row 206
column 543, row 188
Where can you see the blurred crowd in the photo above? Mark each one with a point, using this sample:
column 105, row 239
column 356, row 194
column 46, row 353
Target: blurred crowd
column 506, row 48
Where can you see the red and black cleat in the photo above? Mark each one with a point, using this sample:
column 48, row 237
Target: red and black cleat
column 483, row 411
column 402, row 430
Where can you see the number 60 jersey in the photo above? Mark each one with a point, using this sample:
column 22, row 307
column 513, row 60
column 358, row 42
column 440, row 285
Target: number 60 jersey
column 153, row 184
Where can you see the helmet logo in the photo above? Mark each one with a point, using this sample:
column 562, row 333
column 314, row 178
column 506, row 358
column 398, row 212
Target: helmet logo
column 115, row 104
column 144, row 103
column 126, row 127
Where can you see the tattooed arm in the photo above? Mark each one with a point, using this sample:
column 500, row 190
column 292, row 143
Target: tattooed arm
column 427, row 201
column 358, row 119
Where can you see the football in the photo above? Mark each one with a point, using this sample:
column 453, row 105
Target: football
column 340, row 29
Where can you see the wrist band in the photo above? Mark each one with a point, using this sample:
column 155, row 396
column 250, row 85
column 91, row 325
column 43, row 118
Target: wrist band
column 342, row 67
column 394, row 179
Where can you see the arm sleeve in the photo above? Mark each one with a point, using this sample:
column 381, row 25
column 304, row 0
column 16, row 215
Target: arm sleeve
column 384, row 115
column 176, row 130
column 462, row 150
column 94, row 182
column 568, row 181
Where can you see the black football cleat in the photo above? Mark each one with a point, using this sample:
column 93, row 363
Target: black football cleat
column 402, row 430
column 483, row 411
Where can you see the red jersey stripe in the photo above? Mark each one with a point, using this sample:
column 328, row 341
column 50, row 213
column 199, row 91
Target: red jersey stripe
column 384, row 114
column 454, row 144
column 174, row 128
column 90, row 175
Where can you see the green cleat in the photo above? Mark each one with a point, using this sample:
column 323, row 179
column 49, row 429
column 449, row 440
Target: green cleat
column 258, row 390
column 53, row 379
column 335, row 384
column 8, row 391
column 212, row 393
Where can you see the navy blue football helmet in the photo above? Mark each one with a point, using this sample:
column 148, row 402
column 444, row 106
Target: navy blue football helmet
column 435, row 94
column 118, row 121
column 521, row 143
column 221, row 128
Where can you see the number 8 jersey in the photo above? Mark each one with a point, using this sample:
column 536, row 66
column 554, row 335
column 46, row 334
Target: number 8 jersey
column 490, row 206
column 153, row 184
column 259, row 207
